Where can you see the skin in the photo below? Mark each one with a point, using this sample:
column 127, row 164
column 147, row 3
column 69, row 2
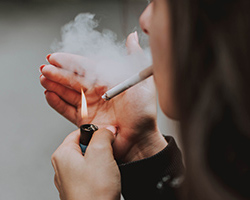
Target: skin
column 137, row 136
column 135, row 133
column 85, row 177
column 155, row 22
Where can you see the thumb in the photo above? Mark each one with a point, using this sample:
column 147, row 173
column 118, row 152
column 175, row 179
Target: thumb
column 132, row 43
column 101, row 143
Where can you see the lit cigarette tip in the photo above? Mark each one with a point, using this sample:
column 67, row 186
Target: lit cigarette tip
column 105, row 97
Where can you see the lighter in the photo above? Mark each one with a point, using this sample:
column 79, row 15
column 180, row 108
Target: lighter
column 87, row 130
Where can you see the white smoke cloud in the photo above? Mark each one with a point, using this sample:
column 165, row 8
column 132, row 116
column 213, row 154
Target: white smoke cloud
column 112, row 64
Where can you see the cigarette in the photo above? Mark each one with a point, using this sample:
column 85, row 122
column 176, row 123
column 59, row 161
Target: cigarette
column 137, row 78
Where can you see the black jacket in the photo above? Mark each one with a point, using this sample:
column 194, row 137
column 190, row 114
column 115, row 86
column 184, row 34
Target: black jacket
column 158, row 177
column 161, row 176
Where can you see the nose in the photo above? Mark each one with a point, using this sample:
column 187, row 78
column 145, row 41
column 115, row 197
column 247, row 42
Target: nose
column 145, row 19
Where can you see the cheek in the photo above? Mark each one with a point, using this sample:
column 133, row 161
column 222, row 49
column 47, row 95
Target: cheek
column 163, row 92
column 165, row 106
column 163, row 82
column 160, row 43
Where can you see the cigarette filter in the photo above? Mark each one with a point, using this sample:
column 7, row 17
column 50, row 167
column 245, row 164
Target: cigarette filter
column 87, row 130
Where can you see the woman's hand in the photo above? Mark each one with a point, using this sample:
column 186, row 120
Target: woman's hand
column 92, row 176
column 132, row 112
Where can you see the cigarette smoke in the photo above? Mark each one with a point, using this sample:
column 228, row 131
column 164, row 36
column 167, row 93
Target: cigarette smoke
column 109, row 60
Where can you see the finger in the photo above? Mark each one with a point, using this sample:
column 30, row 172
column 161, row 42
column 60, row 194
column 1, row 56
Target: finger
column 132, row 43
column 101, row 144
column 66, row 110
column 73, row 138
column 70, row 96
column 64, row 77
column 56, row 179
column 55, row 182
column 70, row 62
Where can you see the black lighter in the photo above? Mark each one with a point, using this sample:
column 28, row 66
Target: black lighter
column 87, row 130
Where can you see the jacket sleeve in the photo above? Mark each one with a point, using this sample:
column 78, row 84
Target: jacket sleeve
column 158, row 177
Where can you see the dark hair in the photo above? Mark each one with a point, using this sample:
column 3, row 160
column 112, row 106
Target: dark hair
column 211, row 49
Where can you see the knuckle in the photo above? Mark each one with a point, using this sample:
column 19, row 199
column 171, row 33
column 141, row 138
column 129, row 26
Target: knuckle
column 53, row 158
column 56, row 156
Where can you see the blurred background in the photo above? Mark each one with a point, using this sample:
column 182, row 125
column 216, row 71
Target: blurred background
column 30, row 129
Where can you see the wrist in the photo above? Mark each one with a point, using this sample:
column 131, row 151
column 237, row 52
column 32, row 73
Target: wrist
column 151, row 143
column 90, row 194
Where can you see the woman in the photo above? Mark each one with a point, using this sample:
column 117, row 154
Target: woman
column 200, row 51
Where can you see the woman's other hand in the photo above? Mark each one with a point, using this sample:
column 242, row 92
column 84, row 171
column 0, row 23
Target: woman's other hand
column 92, row 176
column 132, row 112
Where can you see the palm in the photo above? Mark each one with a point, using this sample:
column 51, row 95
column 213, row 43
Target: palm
column 132, row 112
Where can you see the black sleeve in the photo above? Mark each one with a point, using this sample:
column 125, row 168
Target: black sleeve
column 157, row 177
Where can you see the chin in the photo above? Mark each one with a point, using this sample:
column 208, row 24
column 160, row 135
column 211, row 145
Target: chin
column 168, row 110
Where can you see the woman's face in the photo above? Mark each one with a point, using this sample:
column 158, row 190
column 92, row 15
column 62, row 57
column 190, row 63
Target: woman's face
column 155, row 22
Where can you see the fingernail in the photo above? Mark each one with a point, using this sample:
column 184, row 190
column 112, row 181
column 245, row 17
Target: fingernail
column 41, row 68
column 136, row 36
column 112, row 129
column 47, row 57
